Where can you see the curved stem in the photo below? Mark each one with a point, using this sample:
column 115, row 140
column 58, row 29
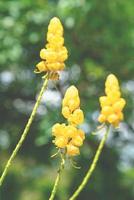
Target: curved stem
column 57, row 178
column 92, row 166
column 25, row 132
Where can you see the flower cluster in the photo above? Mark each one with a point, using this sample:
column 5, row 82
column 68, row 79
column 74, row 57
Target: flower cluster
column 70, row 107
column 69, row 136
column 54, row 55
column 111, row 104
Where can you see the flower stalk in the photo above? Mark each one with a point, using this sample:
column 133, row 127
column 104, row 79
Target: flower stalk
column 58, row 177
column 92, row 166
column 26, row 129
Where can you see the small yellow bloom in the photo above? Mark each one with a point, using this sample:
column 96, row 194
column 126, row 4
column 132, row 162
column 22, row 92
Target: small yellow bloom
column 66, row 112
column 77, row 117
column 58, row 129
column 77, row 141
column 112, row 118
column 111, row 104
column 72, row 150
column 55, row 53
column 61, row 142
column 81, row 134
column 71, row 131
column 102, row 118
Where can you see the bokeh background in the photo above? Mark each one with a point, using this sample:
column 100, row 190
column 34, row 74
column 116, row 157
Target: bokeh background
column 99, row 36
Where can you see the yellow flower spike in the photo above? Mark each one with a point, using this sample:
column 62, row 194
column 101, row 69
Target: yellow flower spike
column 69, row 134
column 68, row 138
column 55, row 53
column 111, row 104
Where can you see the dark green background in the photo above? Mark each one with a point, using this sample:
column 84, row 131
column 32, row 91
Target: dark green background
column 99, row 36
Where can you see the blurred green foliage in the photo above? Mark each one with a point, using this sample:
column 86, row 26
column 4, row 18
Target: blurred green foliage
column 99, row 36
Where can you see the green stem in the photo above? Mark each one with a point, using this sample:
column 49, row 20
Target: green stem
column 92, row 166
column 57, row 178
column 25, row 132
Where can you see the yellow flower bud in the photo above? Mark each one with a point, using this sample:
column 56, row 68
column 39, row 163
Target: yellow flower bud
column 74, row 103
column 81, row 133
column 71, row 92
column 119, row 105
column 112, row 118
column 58, row 129
column 66, row 112
column 104, row 101
column 55, row 26
column 114, row 96
column 112, row 81
column 55, row 40
column 120, row 116
column 41, row 66
column 102, row 118
column 71, row 99
column 60, row 142
column 71, row 131
column 49, row 55
column 107, row 110
column 77, row 141
column 62, row 55
column 77, row 117
column 72, row 150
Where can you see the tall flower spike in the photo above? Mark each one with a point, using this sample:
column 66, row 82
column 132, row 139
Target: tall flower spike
column 69, row 137
column 55, row 53
column 112, row 104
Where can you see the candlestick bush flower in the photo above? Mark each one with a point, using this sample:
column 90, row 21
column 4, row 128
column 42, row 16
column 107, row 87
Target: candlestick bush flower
column 69, row 137
column 112, row 104
column 55, row 53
